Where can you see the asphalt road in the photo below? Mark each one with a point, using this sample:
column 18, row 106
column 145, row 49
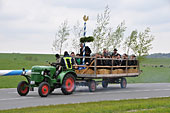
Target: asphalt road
column 10, row 99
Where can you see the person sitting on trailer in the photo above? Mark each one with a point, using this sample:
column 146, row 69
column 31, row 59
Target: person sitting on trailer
column 114, row 52
column 105, row 52
column 133, row 61
column 78, row 59
column 108, row 61
column 73, row 56
column 117, row 60
column 125, row 61
column 98, row 61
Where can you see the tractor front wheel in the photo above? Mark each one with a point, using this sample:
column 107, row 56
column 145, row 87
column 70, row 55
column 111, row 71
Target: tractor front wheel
column 44, row 89
column 23, row 88
column 68, row 85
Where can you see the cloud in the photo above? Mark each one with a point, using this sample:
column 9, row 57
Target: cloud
column 36, row 21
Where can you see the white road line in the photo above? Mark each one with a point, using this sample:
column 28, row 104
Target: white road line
column 11, row 92
column 89, row 93
column 16, row 98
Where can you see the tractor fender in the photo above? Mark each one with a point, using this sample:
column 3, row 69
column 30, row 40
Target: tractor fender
column 64, row 73
column 47, row 76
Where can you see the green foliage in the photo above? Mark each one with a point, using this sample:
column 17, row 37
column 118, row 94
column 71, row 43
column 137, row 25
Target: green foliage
column 143, row 43
column 114, row 39
column 130, row 40
column 87, row 39
column 101, row 29
column 154, row 105
column 61, row 37
column 105, row 36
column 77, row 32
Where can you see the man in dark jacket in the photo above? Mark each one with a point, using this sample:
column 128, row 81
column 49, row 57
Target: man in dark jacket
column 87, row 53
column 67, row 61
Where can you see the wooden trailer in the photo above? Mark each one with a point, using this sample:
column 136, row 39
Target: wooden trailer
column 93, row 74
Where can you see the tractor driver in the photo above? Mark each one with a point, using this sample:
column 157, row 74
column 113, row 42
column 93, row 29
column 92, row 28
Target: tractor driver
column 66, row 62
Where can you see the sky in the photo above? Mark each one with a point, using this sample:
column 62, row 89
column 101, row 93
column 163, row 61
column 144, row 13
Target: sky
column 29, row 26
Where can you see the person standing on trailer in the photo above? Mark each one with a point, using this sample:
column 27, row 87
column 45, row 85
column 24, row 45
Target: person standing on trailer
column 87, row 53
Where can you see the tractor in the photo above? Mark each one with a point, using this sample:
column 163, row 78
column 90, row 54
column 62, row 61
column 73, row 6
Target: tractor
column 45, row 78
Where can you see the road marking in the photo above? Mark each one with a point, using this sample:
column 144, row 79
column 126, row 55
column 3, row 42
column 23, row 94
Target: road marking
column 11, row 92
column 16, row 98
column 109, row 92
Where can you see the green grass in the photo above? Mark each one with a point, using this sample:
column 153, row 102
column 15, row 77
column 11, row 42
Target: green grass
column 153, row 74
column 18, row 61
column 154, row 105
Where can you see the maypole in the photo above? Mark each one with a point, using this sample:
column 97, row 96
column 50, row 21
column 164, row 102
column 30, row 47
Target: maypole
column 85, row 18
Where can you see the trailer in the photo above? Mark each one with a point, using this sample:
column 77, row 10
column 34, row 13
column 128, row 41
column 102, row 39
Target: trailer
column 93, row 74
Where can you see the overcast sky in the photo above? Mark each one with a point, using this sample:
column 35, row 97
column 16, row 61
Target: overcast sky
column 29, row 26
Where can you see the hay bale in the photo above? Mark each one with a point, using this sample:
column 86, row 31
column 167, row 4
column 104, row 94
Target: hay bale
column 132, row 70
column 103, row 71
column 119, row 71
column 89, row 71
column 114, row 71
column 77, row 71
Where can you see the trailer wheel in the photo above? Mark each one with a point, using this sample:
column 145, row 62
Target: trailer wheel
column 104, row 83
column 23, row 88
column 44, row 89
column 68, row 85
column 92, row 86
column 123, row 83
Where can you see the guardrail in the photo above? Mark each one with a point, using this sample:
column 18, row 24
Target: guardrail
column 13, row 72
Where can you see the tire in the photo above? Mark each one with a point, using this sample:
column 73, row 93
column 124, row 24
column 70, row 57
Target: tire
column 104, row 83
column 44, row 89
column 68, row 85
column 123, row 83
column 23, row 88
column 92, row 86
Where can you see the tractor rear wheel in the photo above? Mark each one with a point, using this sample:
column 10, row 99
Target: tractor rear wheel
column 68, row 85
column 23, row 88
column 44, row 89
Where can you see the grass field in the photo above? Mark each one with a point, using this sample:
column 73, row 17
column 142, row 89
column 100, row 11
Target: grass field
column 154, row 105
column 18, row 61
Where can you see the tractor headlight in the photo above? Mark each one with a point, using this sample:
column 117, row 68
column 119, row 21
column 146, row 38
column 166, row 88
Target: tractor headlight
column 23, row 73
column 42, row 72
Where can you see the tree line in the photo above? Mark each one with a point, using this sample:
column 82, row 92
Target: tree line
column 159, row 55
column 138, row 43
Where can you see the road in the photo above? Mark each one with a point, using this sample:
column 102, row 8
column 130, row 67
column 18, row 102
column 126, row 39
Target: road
column 10, row 99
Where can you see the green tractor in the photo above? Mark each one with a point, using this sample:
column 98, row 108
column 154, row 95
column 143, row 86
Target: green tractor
column 45, row 78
